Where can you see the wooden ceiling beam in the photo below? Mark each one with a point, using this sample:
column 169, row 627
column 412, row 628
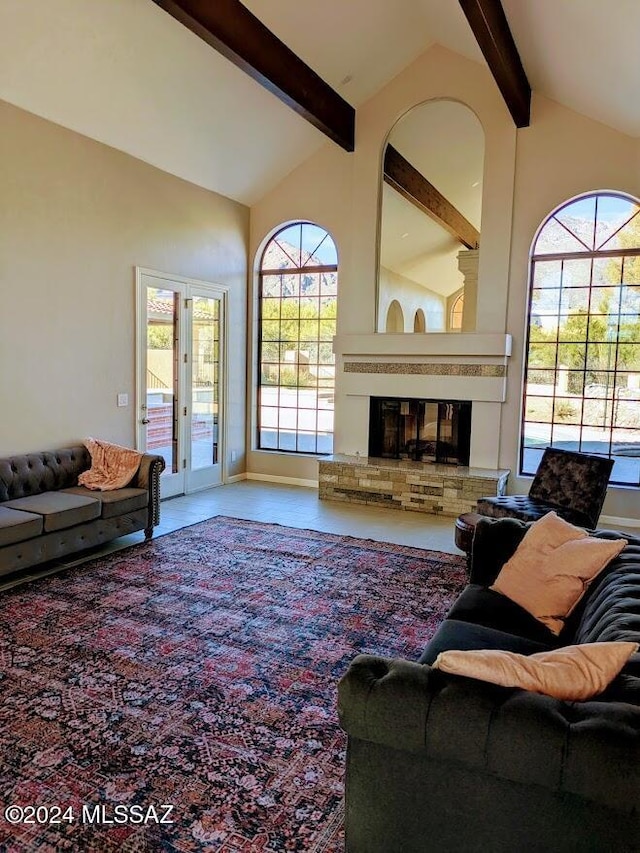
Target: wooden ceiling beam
column 410, row 183
column 491, row 29
column 237, row 34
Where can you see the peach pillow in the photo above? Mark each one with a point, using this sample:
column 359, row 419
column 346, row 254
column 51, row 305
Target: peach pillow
column 552, row 568
column 112, row 466
column 571, row 673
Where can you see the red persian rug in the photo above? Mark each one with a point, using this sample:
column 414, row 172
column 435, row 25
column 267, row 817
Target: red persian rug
column 181, row 694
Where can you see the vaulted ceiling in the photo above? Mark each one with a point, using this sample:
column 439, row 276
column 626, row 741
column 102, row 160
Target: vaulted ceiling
column 127, row 74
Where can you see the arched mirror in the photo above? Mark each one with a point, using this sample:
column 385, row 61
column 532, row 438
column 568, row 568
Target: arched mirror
column 431, row 216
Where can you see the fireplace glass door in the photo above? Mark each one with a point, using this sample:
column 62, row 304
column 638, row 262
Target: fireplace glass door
column 422, row 430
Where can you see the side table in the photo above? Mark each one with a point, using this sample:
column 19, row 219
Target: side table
column 464, row 530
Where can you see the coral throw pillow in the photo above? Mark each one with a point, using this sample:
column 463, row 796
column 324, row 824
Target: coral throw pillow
column 552, row 568
column 572, row 673
column 112, row 466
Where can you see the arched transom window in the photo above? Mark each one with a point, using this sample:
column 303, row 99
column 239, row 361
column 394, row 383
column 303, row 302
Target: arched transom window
column 297, row 321
column 582, row 379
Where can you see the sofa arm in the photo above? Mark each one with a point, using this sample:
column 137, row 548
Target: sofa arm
column 386, row 701
column 148, row 477
column 590, row 749
column 494, row 542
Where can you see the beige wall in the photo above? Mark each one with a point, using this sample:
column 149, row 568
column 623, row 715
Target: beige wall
column 76, row 217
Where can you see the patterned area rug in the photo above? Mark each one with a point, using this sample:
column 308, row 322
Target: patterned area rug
column 199, row 671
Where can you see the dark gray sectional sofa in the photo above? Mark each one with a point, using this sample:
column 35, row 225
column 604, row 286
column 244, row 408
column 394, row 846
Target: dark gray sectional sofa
column 45, row 515
column 437, row 762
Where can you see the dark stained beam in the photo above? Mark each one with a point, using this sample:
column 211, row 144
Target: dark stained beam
column 237, row 34
column 491, row 29
column 410, row 183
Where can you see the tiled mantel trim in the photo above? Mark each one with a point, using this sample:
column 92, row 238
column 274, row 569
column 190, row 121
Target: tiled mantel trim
column 401, row 484
column 425, row 369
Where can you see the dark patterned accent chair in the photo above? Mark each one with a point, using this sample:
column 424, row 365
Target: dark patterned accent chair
column 572, row 484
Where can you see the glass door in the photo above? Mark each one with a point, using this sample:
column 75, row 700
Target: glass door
column 180, row 370
column 204, row 366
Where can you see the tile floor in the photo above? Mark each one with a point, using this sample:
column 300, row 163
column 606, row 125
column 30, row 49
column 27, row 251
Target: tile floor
column 298, row 506
column 293, row 506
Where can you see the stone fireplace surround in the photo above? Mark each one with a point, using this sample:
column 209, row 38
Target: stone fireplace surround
column 465, row 366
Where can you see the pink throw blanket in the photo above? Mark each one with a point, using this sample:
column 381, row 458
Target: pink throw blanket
column 112, row 466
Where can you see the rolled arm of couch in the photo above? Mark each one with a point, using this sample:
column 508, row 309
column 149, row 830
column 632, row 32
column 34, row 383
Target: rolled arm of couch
column 148, row 477
column 591, row 749
column 494, row 542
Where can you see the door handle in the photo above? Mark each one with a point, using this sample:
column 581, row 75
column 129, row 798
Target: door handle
column 144, row 421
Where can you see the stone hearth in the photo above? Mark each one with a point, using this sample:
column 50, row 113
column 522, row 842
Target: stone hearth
column 402, row 484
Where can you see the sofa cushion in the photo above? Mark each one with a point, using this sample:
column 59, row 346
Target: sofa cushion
column 117, row 502
column 16, row 526
column 453, row 634
column 484, row 606
column 552, row 568
column 58, row 510
column 572, row 673
column 524, row 508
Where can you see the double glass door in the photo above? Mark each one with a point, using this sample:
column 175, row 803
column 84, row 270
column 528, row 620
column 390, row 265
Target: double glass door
column 180, row 371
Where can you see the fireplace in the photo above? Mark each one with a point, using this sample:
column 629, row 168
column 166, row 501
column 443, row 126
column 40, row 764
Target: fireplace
column 421, row 430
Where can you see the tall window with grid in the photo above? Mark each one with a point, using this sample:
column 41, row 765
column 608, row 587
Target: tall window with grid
column 298, row 288
column 582, row 378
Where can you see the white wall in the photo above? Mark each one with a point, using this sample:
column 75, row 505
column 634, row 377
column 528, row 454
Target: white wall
column 76, row 217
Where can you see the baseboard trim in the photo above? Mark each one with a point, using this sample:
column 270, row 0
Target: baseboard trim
column 289, row 481
column 613, row 520
column 236, row 478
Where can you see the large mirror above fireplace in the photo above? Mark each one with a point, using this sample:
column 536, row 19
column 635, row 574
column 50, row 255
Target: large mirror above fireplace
column 430, row 220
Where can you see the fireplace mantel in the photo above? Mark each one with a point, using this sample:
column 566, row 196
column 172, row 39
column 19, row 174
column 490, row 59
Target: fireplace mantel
column 431, row 344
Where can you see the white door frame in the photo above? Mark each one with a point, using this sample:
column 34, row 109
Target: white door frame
column 183, row 481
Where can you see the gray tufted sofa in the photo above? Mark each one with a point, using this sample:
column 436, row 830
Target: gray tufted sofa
column 45, row 515
column 437, row 762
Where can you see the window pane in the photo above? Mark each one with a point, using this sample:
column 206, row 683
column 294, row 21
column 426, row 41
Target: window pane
column 547, row 274
column 572, row 355
column 271, row 285
column 631, row 270
column 573, row 328
column 597, row 413
column 576, row 273
column 541, row 383
column 567, row 410
column 539, row 409
column 626, row 470
column 574, row 300
column 329, row 284
column 554, row 239
column 268, row 439
column 578, row 217
column 542, row 355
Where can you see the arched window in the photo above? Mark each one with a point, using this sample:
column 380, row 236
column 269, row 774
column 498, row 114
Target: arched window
column 582, row 379
column 455, row 317
column 419, row 321
column 298, row 287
